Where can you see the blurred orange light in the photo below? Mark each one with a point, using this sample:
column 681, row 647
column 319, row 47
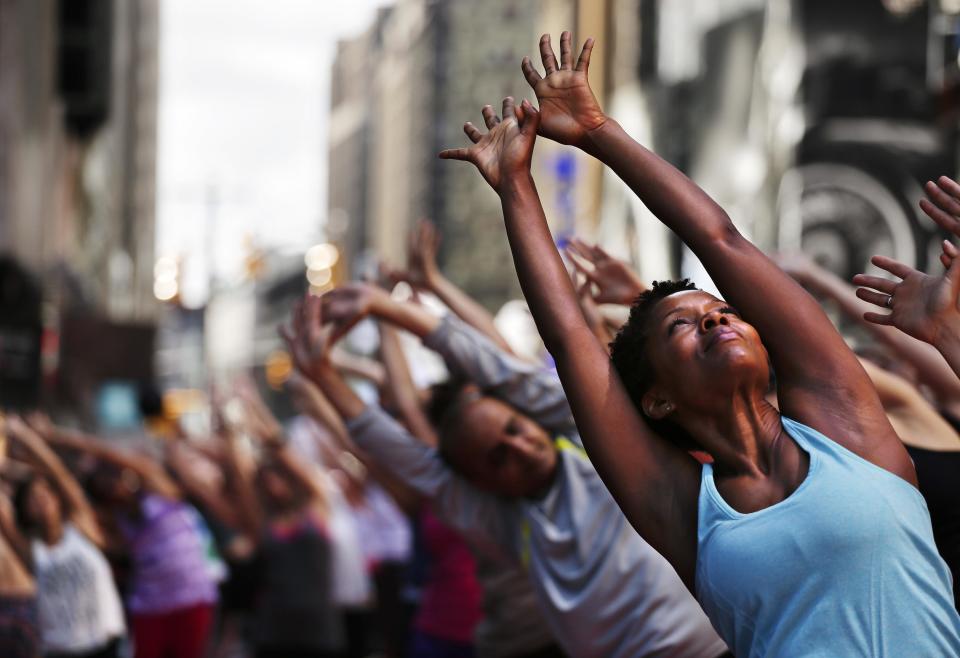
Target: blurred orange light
column 277, row 369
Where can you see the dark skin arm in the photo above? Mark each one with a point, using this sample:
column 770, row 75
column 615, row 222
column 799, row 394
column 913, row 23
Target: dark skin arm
column 632, row 460
column 821, row 383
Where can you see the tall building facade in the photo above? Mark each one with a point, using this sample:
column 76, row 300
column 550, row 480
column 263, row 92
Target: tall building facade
column 427, row 67
column 78, row 94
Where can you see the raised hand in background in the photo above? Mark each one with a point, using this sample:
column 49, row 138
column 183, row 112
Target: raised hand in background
column 942, row 204
column 921, row 305
column 611, row 280
column 306, row 339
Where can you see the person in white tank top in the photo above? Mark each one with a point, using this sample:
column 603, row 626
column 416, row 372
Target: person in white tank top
column 80, row 613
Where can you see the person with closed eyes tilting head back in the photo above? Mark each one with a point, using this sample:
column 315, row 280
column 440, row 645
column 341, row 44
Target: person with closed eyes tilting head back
column 806, row 535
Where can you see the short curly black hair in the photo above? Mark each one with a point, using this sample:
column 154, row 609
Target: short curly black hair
column 628, row 353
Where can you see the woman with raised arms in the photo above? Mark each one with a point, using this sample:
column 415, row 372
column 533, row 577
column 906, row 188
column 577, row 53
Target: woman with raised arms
column 806, row 536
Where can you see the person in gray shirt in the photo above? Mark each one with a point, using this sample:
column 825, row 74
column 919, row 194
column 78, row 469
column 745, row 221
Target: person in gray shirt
column 510, row 473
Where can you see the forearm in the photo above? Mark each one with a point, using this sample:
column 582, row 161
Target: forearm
column 676, row 200
column 402, row 387
column 249, row 514
column 149, row 471
column 543, row 277
column 603, row 333
column 420, row 469
column 302, row 474
column 318, row 407
column 357, row 366
column 948, row 344
column 631, row 460
column 347, row 404
column 409, row 317
column 466, row 308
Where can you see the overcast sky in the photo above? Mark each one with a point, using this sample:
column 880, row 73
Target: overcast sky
column 244, row 95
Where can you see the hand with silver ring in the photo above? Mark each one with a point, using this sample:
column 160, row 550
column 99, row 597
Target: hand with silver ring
column 926, row 305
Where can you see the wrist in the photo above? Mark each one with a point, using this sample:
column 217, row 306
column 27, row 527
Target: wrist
column 594, row 138
column 947, row 337
column 432, row 279
column 519, row 182
column 320, row 373
column 274, row 441
column 381, row 304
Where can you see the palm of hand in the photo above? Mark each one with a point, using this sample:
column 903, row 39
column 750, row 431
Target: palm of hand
column 568, row 108
column 309, row 354
column 501, row 152
column 923, row 304
column 422, row 264
column 614, row 282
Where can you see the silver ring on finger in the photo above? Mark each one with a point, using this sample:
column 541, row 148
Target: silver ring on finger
column 889, row 301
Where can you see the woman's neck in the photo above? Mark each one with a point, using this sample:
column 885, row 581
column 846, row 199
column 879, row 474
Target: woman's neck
column 740, row 437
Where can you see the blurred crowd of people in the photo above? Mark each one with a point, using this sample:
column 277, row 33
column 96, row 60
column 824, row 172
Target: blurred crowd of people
column 688, row 476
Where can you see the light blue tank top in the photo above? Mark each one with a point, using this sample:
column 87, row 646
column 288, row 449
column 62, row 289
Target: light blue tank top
column 844, row 566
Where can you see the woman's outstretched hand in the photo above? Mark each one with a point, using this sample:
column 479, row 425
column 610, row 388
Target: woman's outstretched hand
column 568, row 108
column 942, row 204
column 506, row 150
column 921, row 305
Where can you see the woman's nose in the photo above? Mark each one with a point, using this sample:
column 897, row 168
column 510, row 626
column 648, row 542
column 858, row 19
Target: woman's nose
column 712, row 319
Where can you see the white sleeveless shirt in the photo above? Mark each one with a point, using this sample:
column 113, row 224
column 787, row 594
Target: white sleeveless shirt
column 77, row 598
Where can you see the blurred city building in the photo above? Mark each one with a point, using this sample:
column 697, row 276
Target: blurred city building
column 78, row 95
column 812, row 122
column 401, row 93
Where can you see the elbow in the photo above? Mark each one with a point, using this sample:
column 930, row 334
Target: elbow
column 721, row 235
column 723, row 231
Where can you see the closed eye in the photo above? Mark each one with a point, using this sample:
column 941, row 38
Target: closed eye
column 673, row 325
column 730, row 310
